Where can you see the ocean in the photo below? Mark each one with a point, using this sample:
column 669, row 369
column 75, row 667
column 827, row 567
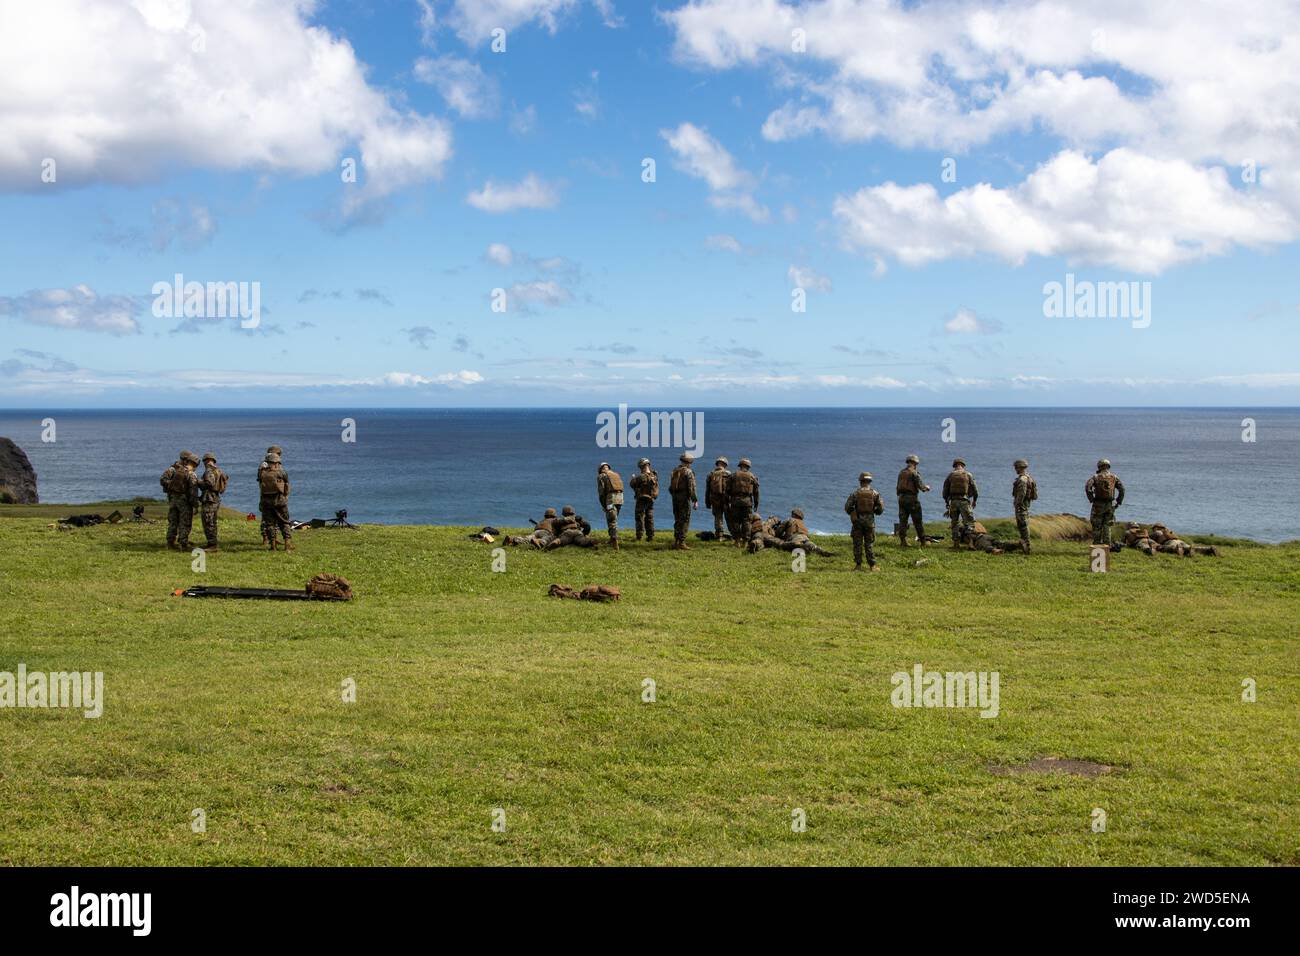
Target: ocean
column 1189, row 468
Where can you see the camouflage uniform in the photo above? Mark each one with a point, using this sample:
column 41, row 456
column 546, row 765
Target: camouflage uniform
column 1106, row 492
column 681, row 485
column 742, row 502
column 909, row 487
column 181, row 485
column 959, row 497
column 609, row 491
column 543, row 532
column 571, row 529
column 646, row 485
column 862, row 506
column 1136, row 537
column 1024, row 491
column 267, row 533
column 794, row 535
column 715, row 496
column 212, row 485
column 273, row 483
column 976, row 537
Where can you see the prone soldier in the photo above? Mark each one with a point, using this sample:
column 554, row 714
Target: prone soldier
column 542, row 535
column 571, row 529
column 862, row 506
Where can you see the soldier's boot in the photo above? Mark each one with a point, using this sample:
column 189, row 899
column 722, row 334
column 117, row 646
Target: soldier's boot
column 212, row 546
column 171, row 543
column 1024, row 545
column 270, row 541
column 902, row 538
column 857, row 566
column 875, row 568
column 288, row 545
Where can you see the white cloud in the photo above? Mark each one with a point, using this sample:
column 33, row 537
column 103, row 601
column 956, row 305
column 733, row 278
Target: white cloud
column 462, row 83
column 1124, row 210
column 412, row 379
column 142, row 88
column 474, row 20
column 1166, row 101
column 500, row 253
column 723, row 241
column 79, row 307
column 966, row 322
column 700, row 155
column 808, row 279
column 521, row 296
column 529, row 193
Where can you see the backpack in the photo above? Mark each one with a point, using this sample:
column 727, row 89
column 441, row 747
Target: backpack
column 1031, row 489
column 220, row 481
column 718, row 482
column 678, row 484
column 1103, row 486
column 271, row 481
column 174, row 480
column 615, row 482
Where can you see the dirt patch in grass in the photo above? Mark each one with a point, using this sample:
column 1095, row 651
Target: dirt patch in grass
column 1082, row 768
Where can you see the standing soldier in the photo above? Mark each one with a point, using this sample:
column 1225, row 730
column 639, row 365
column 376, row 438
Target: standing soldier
column 267, row 534
column 273, row 483
column 609, row 489
column 910, row 485
column 862, row 507
column 646, row 485
column 180, row 483
column 742, row 501
column 681, row 485
column 959, row 497
column 1024, row 491
column 212, row 485
column 1106, row 492
column 715, row 496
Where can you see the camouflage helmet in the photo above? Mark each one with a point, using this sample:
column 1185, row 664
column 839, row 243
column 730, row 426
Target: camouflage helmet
column 796, row 513
column 602, row 466
column 721, row 461
column 1020, row 463
column 208, row 456
column 1103, row 464
column 642, row 461
column 1134, row 524
column 550, row 513
column 865, row 476
column 567, row 510
column 686, row 458
column 959, row 462
column 277, row 449
column 745, row 463
column 913, row 460
column 187, row 456
column 272, row 458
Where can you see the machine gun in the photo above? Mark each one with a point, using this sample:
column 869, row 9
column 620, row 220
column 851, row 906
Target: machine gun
column 340, row 520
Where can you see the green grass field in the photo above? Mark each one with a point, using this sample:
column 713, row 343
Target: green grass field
column 474, row 690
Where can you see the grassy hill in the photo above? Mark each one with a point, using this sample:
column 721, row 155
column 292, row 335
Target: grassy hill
column 476, row 691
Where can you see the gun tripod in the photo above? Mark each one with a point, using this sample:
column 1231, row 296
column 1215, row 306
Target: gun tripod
column 340, row 520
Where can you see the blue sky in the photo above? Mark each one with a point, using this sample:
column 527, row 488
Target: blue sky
column 1116, row 144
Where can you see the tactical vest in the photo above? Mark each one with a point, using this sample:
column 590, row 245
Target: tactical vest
column 647, row 485
column 959, row 484
column 547, row 525
column 1029, row 485
column 741, row 485
column 271, row 480
column 1103, row 486
column 218, row 482
column 680, row 482
column 718, row 482
column 908, row 482
column 862, row 503
column 174, row 480
column 795, row 526
column 614, row 481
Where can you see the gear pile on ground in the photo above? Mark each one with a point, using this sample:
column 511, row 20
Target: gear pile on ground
column 593, row 592
column 331, row 587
